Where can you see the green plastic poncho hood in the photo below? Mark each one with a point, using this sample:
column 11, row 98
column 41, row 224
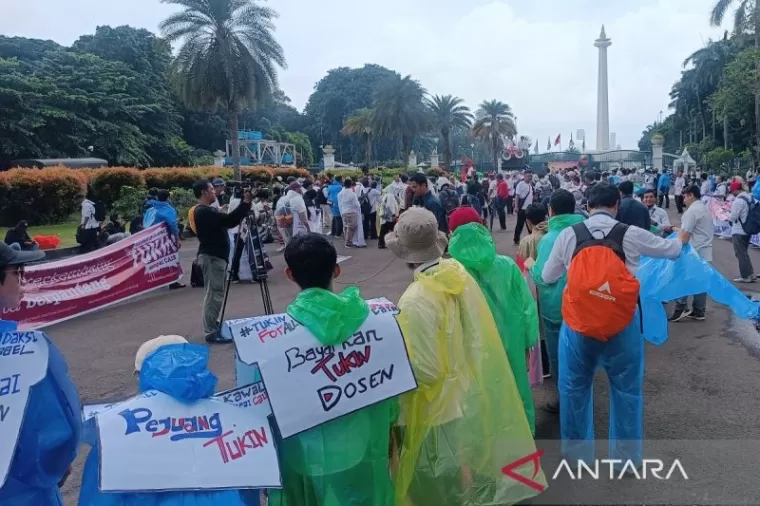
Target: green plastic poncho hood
column 550, row 296
column 343, row 461
column 331, row 317
column 472, row 245
column 508, row 297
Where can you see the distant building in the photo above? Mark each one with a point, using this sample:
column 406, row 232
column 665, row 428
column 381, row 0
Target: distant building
column 72, row 163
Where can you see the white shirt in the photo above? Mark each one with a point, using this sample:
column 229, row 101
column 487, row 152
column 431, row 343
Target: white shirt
column 679, row 185
column 739, row 212
column 525, row 192
column 88, row 215
column 721, row 191
column 704, row 188
column 373, row 195
column 698, row 222
column 297, row 204
column 659, row 216
column 348, row 202
column 636, row 242
column 398, row 188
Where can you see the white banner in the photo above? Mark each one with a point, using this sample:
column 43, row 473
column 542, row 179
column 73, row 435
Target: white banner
column 253, row 396
column 23, row 364
column 156, row 443
column 309, row 384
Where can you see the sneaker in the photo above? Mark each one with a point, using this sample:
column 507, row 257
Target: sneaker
column 350, row 245
column 697, row 316
column 679, row 314
column 177, row 285
column 217, row 338
column 743, row 280
column 552, row 407
column 280, row 249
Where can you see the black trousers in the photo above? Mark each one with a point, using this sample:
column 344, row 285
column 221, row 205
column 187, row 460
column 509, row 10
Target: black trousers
column 385, row 228
column 337, row 226
column 239, row 247
column 679, row 203
column 500, row 205
column 368, row 222
column 520, row 224
column 666, row 197
column 89, row 240
column 510, row 205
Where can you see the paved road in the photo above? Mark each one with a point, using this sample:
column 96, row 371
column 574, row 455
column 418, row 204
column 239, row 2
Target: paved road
column 701, row 385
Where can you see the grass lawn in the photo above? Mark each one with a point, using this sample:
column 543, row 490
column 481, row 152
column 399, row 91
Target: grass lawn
column 66, row 231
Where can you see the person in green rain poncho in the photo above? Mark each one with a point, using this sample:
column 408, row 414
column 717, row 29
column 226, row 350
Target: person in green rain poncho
column 507, row 293
column 344, row 461
column 561, row 215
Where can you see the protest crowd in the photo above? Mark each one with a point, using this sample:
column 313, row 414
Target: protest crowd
column 346, row 401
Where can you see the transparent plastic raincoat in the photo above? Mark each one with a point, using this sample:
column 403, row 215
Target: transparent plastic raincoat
column 49, row 437
column 345, row 461
column 508, row 297
column 179, row 370
column 459, row 429
column 665, row 280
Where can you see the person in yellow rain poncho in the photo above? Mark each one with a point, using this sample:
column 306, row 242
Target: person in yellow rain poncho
column 345, row 461
column 459, row 431
column 507, row 293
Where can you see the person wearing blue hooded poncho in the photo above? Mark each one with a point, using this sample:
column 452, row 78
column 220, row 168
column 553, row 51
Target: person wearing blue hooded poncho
column 38, row 446
column 172, row 366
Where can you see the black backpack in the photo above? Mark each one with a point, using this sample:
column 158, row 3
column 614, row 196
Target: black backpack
column 366, row 208
column 752, row 224
column 321, row 200
column 100, row 210
column 449, row 200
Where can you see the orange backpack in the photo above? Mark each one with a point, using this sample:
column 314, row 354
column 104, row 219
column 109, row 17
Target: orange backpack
column 601, row 294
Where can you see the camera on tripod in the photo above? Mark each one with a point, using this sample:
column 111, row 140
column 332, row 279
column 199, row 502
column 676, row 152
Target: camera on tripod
column 239, row 187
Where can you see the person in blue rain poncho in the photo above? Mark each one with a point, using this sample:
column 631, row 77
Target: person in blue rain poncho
column 49, row 434
column 170, row 365
column 621, row 356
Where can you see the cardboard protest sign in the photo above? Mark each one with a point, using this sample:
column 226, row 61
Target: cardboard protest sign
column 309, row 384
column 253, row 396
column 205, row 445
column 23, row 364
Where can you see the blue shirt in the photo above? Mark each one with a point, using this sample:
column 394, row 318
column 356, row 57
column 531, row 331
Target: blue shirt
column 158, row 212
column 333, row 189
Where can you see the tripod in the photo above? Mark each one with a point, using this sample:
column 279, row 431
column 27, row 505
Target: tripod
column 257, row 262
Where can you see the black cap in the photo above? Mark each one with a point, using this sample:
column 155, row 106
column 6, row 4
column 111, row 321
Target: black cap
column 10, row 256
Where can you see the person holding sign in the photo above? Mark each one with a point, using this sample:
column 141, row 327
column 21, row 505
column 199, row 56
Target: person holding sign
column 39, row 405
column 507, row 293
column 460, row 428
column 345, row 460
column 170, row 365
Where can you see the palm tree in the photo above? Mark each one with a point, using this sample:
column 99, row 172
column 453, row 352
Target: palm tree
column 449, row 115
column 360, row 123
column 228, row 57
column 746, row 17
column 400, row 111
column 492, row 120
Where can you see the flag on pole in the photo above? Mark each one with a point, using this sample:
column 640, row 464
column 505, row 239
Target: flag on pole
column 558, row 140
column 549, row 144
column 572, row 144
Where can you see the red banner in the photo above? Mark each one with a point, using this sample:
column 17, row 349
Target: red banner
column 58, row 291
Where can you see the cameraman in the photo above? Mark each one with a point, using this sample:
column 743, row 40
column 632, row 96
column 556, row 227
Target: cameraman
column 211, row 227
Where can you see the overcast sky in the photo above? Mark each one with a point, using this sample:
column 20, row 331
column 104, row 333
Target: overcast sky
column 536, row 55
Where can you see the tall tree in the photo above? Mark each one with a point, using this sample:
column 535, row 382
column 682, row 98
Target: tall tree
column 492, row 120
column 449, row 115
column 746, row 18
column 361, row 124
column 400, row 111
column 228, row 57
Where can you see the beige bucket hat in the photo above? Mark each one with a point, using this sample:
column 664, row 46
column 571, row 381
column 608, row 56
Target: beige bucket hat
column 152, row 345
column 416, row 238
